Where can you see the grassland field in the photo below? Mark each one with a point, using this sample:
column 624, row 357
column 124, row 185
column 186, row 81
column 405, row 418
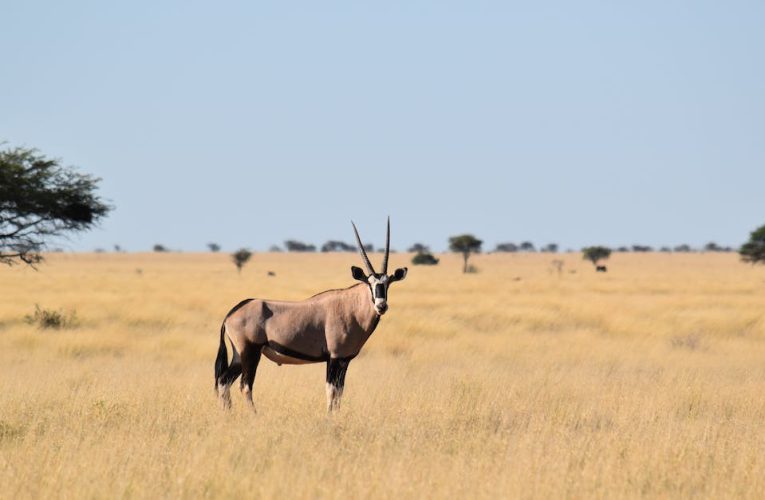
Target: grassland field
column 514, row 382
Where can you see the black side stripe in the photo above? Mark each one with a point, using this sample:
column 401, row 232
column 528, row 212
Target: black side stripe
column 286, row 351
column 238, row 306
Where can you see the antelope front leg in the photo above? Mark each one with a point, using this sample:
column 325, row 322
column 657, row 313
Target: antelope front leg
column 336, row 368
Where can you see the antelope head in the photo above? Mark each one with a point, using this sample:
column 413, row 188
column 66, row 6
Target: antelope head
column 378, row 283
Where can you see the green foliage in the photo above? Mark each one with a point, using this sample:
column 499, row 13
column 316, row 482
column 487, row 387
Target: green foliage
column 337, row 246
column 214, row 247
column 465, row 244
column 424, row 259
column 419, row 248
column 753, row 251
column 240, row 258
column 596, row 253
column 51, row 319
column 506, row 247
column 550, row 248
column 41, row 200
column 298, row 246
column 527, row 246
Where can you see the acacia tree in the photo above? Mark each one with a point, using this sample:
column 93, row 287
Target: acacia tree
column 299, row 246
column 753, row 251
column 41, row 200
column 419, row 248
column 596, row 254
column 337, row 246
column 465, row 244
column 527, row 246
column 506, row 247
column 240, row 258
column 550, row 248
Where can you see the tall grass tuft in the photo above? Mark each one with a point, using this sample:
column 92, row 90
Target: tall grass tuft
column 52, row 319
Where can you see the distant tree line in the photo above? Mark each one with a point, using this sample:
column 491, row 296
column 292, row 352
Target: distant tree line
column 421, row 248
column 683, row 248
column 525, row 246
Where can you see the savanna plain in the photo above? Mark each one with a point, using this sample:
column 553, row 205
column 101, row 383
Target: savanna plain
column 517, row 381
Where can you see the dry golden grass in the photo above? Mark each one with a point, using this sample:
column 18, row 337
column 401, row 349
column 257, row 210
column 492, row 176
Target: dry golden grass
column 513, row 382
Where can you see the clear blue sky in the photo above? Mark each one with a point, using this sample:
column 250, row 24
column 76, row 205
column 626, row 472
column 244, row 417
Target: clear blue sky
column 247, row 123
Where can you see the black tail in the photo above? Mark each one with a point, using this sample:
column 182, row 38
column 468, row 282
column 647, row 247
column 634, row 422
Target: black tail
column 221, row 362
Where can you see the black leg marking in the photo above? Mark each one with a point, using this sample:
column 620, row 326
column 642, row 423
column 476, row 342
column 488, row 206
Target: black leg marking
column 336, row 368
column 232, row 374
column 233, row 371
column 250, row 360
column 227, row 378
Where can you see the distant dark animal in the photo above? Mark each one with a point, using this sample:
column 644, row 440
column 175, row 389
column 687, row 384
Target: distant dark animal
column 271, row 273
column 601, row 269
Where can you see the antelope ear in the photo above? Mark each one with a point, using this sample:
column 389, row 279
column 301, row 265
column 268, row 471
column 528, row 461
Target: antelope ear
column 399, row 274
column 358, row 274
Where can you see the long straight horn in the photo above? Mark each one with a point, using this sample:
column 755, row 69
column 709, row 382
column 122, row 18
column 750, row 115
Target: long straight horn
column 387, row 249
column 362, row 252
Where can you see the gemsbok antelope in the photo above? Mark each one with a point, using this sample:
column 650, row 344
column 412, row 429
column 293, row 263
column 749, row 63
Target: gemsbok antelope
column 330, row 327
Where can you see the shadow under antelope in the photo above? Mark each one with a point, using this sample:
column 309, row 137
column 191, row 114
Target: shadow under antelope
column 331, row 327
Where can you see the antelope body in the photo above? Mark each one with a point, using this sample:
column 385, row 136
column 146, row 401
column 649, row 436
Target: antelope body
column 330, row 327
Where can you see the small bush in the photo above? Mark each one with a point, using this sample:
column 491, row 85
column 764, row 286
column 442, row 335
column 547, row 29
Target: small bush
column 48, row 318
column 471, row 269
column 424, row 259
column 240, row 258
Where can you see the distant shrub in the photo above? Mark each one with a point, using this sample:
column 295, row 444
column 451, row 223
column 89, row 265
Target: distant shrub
column 299, row 246
column 213, row 247
column 506, row 247
column 753, row 251
column 424, row 259
column 337, row 246
column 595, row 254
column 240, row 258
column 51, row 319
column 471, row 269
column 419, row 248
column 642, row 248
column 550, row 248
column 527, row 246
column 159, row 248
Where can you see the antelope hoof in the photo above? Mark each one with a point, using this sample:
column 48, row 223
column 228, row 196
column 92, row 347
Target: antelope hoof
column 224, row 396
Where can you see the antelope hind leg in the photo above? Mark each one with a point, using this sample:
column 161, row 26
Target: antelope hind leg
column 224, row 384
column 336, row 369
column 250, row 360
